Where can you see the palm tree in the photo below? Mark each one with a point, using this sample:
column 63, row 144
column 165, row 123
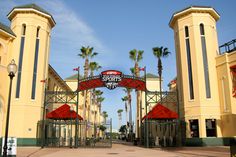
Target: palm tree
column 86, row 53
column 105, row 115
column 98, row 100
column 160, row 52
column 125, row 99
column 119, row 116
column 93, row 66
column 137, row 56
column 128, row 92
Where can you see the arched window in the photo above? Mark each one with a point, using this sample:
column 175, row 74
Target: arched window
column 23, row 30
column 22, row 44
column 186, row 32
column 33, row 92
column 190, row 73
column 205, row 61
column 37, row 33
column 202, row 31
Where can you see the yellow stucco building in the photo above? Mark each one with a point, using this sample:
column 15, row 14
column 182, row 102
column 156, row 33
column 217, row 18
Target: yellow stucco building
column 27, row 41
column 205, row 76
column 204, row 79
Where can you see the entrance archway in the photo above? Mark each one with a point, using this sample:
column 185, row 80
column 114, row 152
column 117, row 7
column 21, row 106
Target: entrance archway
column 109, row 79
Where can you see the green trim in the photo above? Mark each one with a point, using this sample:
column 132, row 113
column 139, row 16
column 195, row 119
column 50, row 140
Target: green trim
column 27, row 142
column 210, row 141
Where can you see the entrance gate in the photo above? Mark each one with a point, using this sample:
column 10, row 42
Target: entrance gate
column 50, row 132
column 161, row 125
column 60, row 134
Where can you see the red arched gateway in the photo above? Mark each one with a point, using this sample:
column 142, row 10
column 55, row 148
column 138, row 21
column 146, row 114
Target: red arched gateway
column 112, row 79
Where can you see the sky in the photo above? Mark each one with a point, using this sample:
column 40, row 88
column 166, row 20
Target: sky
column 114, row 28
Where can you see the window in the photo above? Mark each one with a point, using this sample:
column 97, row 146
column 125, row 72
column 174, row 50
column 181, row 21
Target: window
column 210, row 127
column 35, row 65
column 37, row 34
column 205, row 61
column 190, row 75
column 186, row 32
column 22, row 44
column 194, row 127
column 23, row 30
column 202, row 31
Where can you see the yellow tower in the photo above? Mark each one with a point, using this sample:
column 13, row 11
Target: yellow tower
column 196, row 49
column 32, row 26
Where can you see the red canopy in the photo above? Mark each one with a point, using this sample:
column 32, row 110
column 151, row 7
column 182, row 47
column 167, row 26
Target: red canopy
column 161, row 112
column 63, row 113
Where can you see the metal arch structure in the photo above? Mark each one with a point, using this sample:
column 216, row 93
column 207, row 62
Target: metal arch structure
column 127, row 81
column 72, row 97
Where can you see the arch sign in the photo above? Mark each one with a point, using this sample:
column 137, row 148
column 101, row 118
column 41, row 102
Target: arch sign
column 112, row 79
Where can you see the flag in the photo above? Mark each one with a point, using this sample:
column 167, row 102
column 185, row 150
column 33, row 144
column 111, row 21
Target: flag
column 76, row 69
column 141, row 69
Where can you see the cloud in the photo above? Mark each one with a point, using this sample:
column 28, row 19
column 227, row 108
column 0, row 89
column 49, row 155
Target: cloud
column 70, row 33
column 71, row 29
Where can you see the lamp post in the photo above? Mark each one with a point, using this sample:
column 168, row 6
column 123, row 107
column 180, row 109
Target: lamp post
column 71, row 110
column 11, row 69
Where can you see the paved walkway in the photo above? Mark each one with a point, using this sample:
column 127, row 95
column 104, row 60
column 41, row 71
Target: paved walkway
column 119, row 150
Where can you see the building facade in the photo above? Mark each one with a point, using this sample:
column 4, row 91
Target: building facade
column 206, row 76
column 29, row 47
column 203, row 77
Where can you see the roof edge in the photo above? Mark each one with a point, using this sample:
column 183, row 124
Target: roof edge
column 189, row 9
column 6, row 29
column 49, row 16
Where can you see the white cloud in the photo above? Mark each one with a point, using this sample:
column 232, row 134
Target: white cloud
column 70, row 33
column 70, row 28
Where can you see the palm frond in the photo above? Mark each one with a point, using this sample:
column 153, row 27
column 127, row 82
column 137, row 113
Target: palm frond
column 166, row 53
column 133, row 54
column 132, row 71
column 82, row 55
column 119, row 110
column 140, row 55
column 94, row 54
column 94, row 66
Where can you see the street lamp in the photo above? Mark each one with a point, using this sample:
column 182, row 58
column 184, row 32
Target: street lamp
column 71, row 110
column 11, row 69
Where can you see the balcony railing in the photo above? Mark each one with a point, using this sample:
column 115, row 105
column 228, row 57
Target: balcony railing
column 228, row 47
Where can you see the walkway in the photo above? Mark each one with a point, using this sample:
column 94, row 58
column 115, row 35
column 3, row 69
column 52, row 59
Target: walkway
column 119, row 150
